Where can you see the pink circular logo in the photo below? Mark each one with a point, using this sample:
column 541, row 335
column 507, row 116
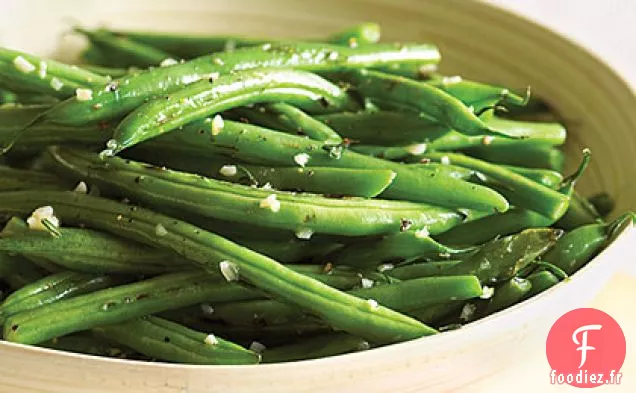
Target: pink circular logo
column 585, row 348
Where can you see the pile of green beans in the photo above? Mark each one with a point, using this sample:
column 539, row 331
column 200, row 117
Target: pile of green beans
column 238, row 200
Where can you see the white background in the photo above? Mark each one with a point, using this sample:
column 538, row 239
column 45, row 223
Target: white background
column 606, row 27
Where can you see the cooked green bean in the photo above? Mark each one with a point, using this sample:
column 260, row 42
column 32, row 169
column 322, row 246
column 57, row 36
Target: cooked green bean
column 391, row 248
column 343, row 311
column 580, row 212
column 546, row 157
column 541, row 281
column 403, row 128
column 188, row 46
column 44, row 76
column 403, row 296
column 135, row 53
column 54, row 288
column 478, row 95
column 18, row 272
column 519, row 190
column 577, row 247
column 315, row 347
column 165, row 340
column 90, row 251
column 318, row 180
column 511, row 221
column 304, row 213
column 603, row 203
column 430, row 101
column 12, row 179
column 502, row 258
column 127, row 93
column 303, row 124
column 206, row 97
column 88, row 344
column 262, row 146
column 505, row 295
column 422, row 269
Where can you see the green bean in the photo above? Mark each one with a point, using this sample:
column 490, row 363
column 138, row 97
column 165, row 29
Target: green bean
column 603, row 203
column 577, row 247
column 188, row 46
column 430, row 101
column 44, row 76
column 435, row 314
column 90, row 251
column 169, row 341
column 307, row 213
column 320, row 180
column 502, row 258
column 546, row 177
column 506, row 295
column 302, row 123
column 343, row 311
column 545, row 157
column 519, row 190
column 511, row 221
column 288, row 251
column 17, row 271
column 127, row 93
column 315, row 348
column 259, row 145
column 118, row 304
column 384, row 128
column 422, row 269
column 396, row 247
column 268, row 335
column 400, row 128
column 401, row 296
column 478, row 95
column 88, row 344
column 580, row 212
column 541, row 281
column 7, row 97
column 300, row 88
column 112, row 72
column 54, row 288
column 12, row 179
column 135, row 53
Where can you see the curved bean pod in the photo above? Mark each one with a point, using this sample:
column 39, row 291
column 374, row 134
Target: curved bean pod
column 343, row 311
column 262, row 146
column 403, row 296
column 502, row 258
column 135, row 53
column 54, row 288
column 182, row 192
column 396, row 247
column 12, row 179
column 203, row 98
column 519, row 190
column 17, row 271
column 122, row 96
column 540, row 281
column 90, row 251
column 165, row 340
column 297, row 120
column 315, row 347
column 430, row 101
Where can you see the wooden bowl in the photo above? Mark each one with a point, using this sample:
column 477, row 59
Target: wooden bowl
column 476, row 40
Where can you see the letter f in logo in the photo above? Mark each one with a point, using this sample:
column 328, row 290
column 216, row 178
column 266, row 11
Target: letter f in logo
column 583, row 344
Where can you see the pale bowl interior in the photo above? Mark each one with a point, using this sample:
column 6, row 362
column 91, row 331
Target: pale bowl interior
column 477, row 41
